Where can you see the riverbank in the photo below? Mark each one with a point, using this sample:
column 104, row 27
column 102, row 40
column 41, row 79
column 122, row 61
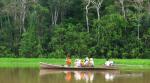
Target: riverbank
column 34, row 62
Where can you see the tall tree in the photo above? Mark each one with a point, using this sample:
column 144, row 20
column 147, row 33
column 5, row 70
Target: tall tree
column 123, row 7
column 87, row 6
column 97, row 4
column 139, row 6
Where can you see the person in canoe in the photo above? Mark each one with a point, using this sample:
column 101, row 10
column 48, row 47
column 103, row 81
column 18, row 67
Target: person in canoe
column 91, row 62
column 86, row 62
column 68, row 61
column 109, row 63
column 77, row 63
column 82, row 63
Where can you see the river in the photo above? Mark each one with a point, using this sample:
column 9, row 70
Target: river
column 33, row 75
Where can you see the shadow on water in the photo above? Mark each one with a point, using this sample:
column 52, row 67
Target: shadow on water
column 30, row 75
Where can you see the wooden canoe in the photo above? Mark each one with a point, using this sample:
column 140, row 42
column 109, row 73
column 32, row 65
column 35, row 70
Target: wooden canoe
column 59, row 67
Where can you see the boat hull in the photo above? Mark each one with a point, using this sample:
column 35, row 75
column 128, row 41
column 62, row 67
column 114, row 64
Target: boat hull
column 58, row 67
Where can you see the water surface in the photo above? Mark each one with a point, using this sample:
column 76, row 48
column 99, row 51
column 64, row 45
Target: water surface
column 27, row 75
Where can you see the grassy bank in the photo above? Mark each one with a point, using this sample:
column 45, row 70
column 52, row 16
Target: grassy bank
column 34, row 62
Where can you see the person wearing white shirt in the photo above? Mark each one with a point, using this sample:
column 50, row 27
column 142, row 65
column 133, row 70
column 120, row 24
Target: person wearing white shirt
column 77, row 63
column 109, row 63
column 86, row 63
column 91, row 62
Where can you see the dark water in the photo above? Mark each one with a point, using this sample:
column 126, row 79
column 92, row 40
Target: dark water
column 48, row 76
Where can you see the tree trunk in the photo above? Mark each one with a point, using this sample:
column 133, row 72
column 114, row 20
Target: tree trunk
column 54, row 17
column 138, row 28
column 97, row 4
column 122, row 7
column 87, row 19
column 148, row 7
column 98, row 13
column 23, row 14
column 139, row 4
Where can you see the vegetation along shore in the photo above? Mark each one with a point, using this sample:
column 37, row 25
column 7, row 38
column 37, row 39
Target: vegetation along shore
column 34, row 62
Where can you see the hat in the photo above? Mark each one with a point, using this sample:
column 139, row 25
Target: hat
column 91, row 59
column 87, row 58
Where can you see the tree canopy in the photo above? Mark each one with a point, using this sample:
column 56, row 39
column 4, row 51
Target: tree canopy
column 94, row 28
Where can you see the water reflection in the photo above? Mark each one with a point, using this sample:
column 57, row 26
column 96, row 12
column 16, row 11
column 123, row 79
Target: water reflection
column 109, row 76
column 89, row 76
column 68, row 76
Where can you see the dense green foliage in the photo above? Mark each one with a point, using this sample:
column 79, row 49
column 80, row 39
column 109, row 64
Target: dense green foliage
column 55, row 28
